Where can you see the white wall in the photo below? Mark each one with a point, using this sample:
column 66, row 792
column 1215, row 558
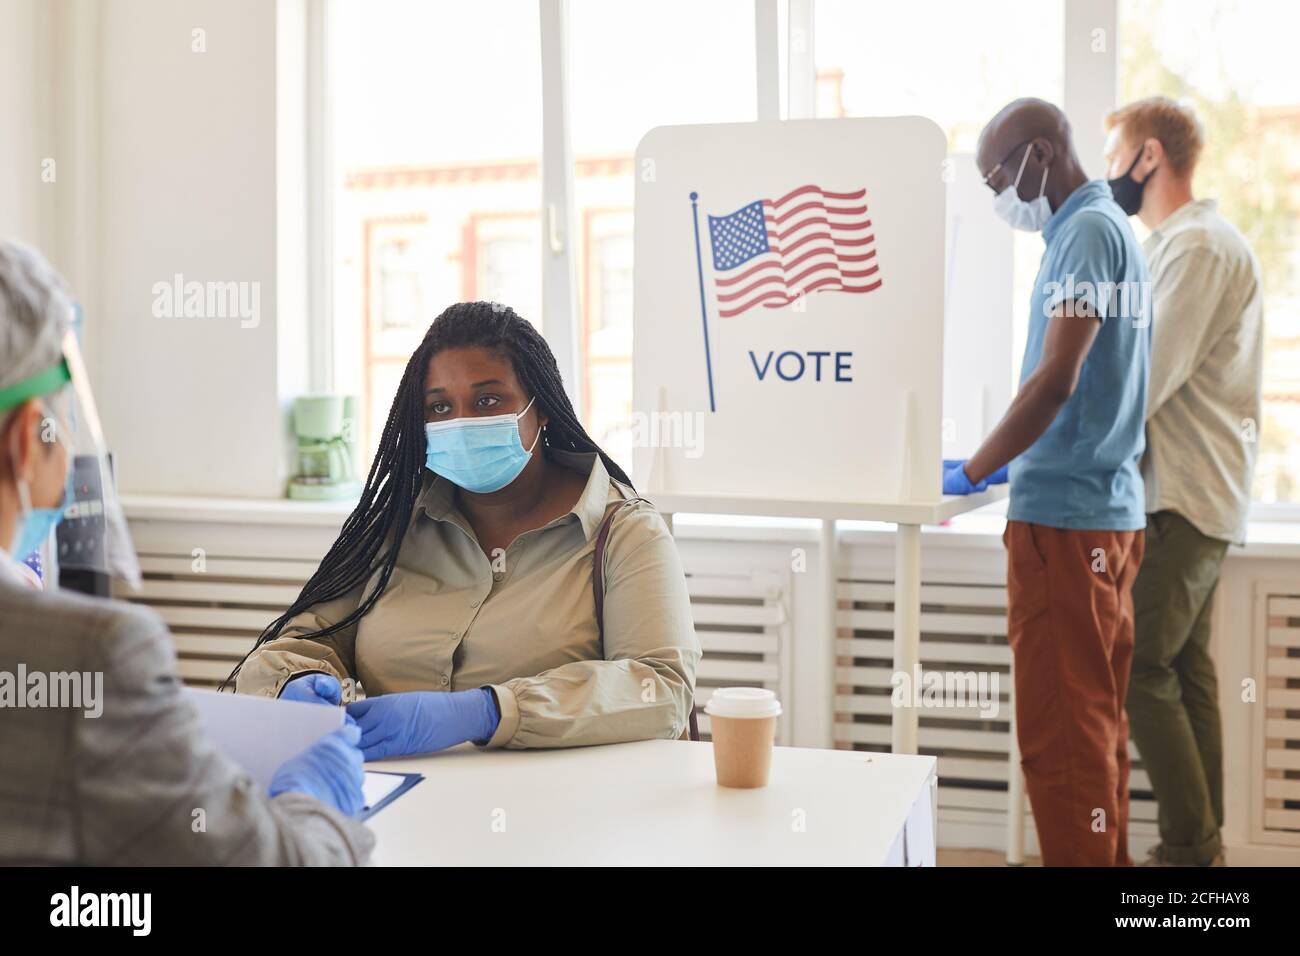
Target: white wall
column 168, row 160
column 188, row 185
column 26, row 133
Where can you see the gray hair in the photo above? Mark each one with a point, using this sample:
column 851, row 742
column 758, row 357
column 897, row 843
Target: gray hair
column 35, row 313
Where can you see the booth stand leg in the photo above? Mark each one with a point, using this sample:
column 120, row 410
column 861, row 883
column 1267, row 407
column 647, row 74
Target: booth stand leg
column 828, row 547
column 907, row 633
column 1015, row 791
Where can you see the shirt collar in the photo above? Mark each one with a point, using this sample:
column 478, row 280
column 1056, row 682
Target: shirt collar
column 1089, row 191
column 438, row 497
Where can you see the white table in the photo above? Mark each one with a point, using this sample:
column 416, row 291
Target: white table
column 656, row 802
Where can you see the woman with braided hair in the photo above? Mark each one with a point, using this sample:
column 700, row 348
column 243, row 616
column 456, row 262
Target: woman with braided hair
column 460, row 592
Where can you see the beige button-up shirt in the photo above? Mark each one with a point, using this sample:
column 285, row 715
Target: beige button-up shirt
column 523, row 624
column 1207, row 349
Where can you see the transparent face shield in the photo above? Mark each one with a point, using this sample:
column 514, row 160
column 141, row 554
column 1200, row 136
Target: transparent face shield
column 93, row 535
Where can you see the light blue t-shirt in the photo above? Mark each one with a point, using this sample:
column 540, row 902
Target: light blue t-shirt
column 1083, row 472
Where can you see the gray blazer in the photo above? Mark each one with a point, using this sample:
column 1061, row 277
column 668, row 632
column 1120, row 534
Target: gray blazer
column 139, row 784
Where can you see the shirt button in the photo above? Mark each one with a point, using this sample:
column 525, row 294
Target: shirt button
column 445, row 680
column 475, row 603
column 498, row 575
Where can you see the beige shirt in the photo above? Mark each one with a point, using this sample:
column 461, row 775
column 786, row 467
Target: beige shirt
column 1203, row 405
column 524, row 624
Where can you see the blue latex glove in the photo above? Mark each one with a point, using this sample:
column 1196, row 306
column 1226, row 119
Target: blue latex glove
column 419, row 722
column 313, row 688
column 955, row 481
column 999, row 477
column 329, row 770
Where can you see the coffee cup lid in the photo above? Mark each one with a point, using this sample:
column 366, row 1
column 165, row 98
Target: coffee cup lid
column 743, row 702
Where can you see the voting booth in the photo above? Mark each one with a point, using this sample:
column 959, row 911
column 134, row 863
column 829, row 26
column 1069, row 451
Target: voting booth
column 789, row 328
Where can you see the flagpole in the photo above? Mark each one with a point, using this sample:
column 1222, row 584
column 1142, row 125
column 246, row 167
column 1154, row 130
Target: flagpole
column 704, row 312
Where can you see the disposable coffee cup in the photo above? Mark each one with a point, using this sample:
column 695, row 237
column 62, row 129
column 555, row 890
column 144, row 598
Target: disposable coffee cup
column 743, row 724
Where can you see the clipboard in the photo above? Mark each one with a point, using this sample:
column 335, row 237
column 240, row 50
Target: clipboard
column 409, row 780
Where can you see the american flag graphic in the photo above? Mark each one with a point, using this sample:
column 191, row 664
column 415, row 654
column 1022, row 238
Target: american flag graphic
column 770, row 252
column 33, row 561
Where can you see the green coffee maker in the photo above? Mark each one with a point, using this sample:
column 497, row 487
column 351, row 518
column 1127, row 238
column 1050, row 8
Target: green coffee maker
column 326, row 427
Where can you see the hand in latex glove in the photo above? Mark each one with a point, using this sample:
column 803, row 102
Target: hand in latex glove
column 329, row 770
column 955, row 481
column 418, row 722
column 999, row 477
column 315, row 688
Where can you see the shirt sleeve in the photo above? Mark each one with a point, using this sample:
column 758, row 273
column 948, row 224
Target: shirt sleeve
column 292, row 654
column 1091, row 257
column 644, row 688
column 1188, row 290
column 150, row 788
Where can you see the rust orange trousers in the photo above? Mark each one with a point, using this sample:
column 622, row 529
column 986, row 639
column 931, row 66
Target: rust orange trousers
column 1070, row 627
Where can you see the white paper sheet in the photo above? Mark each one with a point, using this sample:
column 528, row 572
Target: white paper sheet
column 377, row 786
column 919, row 829
column 261, row 733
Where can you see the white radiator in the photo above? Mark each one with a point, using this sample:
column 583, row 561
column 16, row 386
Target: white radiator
column 743, row 623
column 215, row 615
column 963, row 629
column 1275, row 783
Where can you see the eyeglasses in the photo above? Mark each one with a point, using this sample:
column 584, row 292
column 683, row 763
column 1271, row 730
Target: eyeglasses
column 994, row 171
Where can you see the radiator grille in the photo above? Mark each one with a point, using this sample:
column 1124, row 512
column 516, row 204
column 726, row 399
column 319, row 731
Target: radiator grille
column 1278, row 799
column 963, row 630
column 743, row 623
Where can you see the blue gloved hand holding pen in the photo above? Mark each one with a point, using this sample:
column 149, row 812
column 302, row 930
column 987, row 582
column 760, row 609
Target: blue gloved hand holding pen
column 417, row 722
column 315, row 688
column 956, row 481
column 330, row 770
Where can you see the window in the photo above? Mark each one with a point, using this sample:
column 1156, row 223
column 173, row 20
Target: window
column 435, row 123
column 957, row 63
column 676, row 61
column 436, row 141
column 611, row 303
column 1247, row 93
column 607, row 327
column 399, row 298
column 953, row 61
column 507, row 252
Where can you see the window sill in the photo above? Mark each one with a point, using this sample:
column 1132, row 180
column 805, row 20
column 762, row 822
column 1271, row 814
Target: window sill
column 977, row 529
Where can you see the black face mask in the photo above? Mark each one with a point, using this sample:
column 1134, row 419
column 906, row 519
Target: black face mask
column 1127, row 191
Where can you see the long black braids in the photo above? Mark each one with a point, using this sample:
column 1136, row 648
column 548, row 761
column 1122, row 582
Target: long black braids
column 371, row 537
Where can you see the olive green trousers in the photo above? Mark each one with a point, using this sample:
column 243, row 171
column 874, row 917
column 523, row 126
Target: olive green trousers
column 1173, row 702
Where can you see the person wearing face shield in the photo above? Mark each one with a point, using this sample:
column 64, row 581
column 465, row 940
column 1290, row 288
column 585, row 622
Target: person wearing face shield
column 114, row 768
column 31, row 505
column 1072, row 438
column 1203, row 415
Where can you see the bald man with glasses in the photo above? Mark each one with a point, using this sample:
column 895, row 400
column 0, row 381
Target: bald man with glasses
column 1072, row 437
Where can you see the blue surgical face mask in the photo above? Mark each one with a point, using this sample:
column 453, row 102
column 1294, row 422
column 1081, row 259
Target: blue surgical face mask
column 1019, row 214
column 478, row 454
column 35, row 524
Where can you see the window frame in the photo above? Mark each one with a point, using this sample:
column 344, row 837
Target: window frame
column 784, row 59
